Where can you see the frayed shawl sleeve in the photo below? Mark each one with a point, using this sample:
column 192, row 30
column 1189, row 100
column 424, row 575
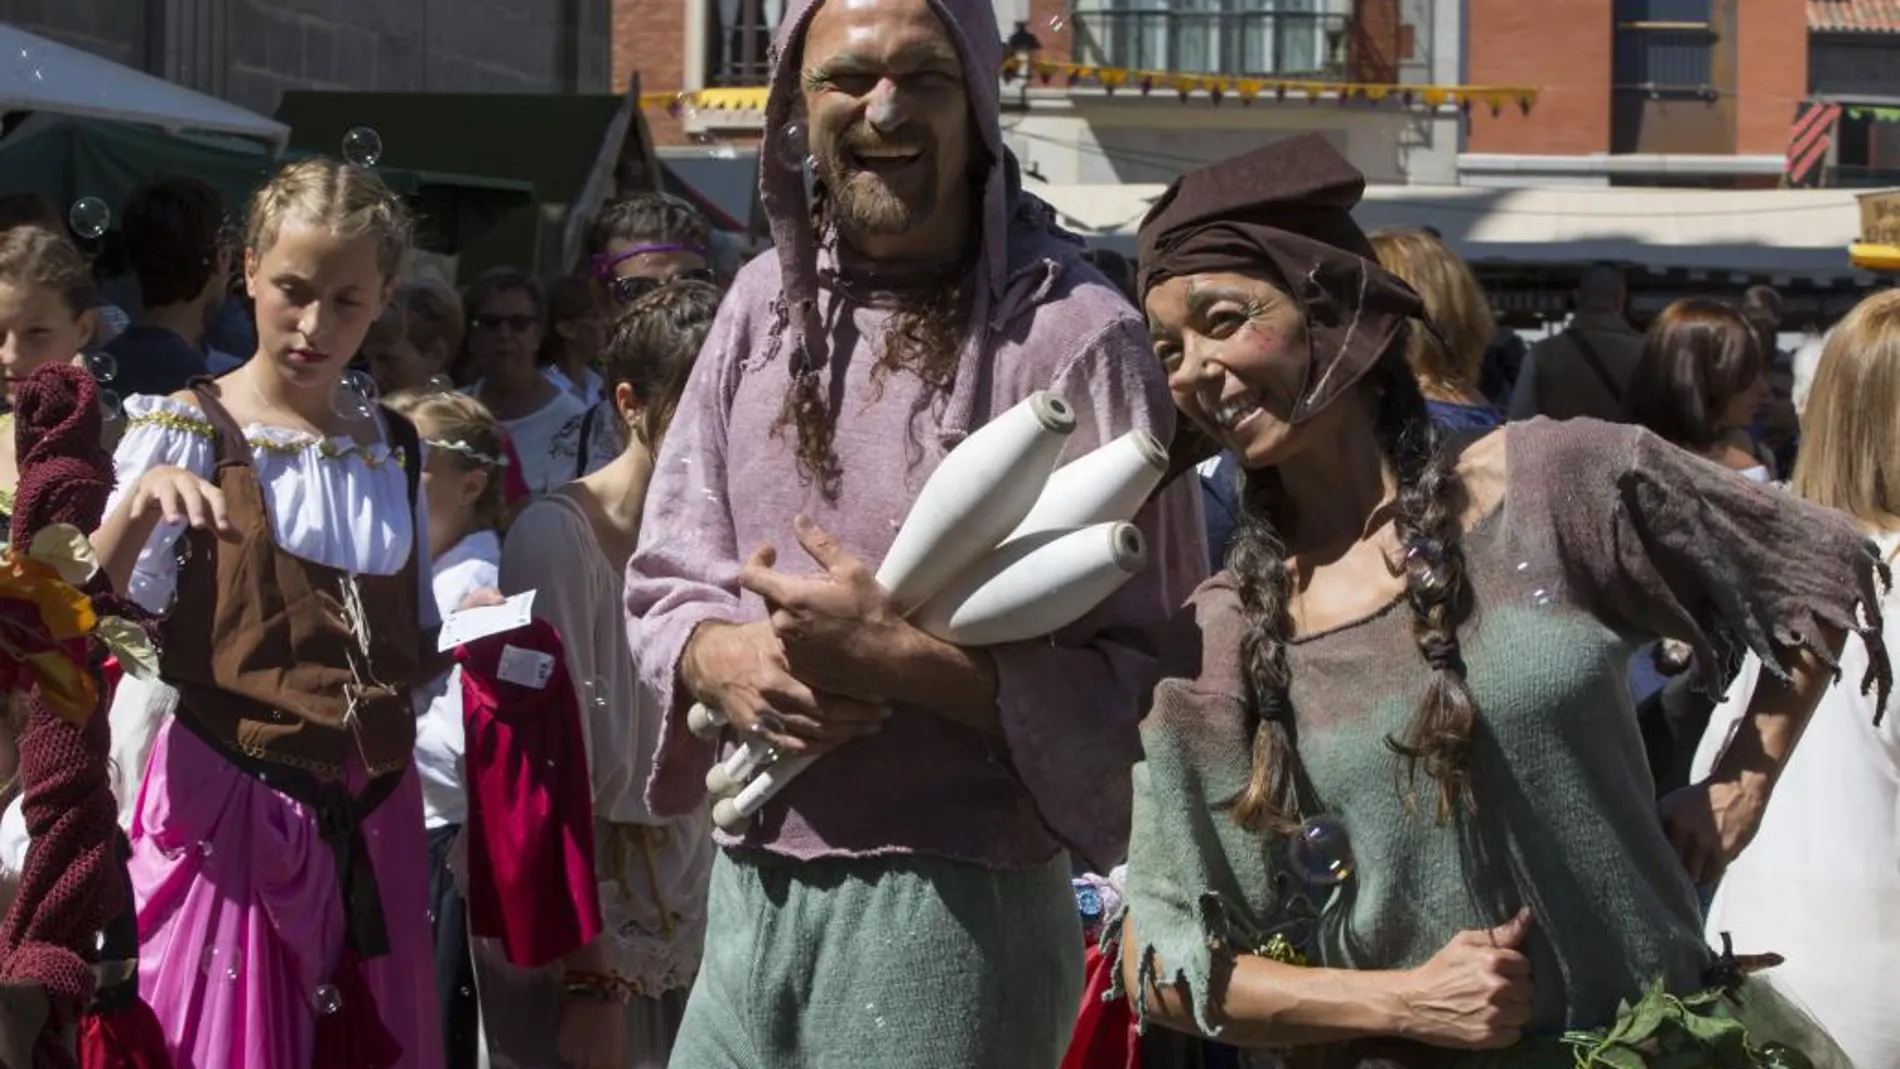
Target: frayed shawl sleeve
column 1664, row 543
column 1200, row 890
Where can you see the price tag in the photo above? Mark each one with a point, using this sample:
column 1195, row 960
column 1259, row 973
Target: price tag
column 525, row 668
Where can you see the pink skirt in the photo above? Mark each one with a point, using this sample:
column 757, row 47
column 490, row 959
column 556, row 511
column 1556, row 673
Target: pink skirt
column 241, row 919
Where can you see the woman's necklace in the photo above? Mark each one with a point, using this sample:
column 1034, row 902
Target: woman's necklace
column 290, row 420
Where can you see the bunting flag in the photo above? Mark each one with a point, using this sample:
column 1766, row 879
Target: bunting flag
column 1214, row 88
column 1809, row 139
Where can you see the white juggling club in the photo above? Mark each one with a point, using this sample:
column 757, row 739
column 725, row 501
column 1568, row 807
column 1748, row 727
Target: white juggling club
column 978, row 494
column 1106, row 485
column 1035, row 585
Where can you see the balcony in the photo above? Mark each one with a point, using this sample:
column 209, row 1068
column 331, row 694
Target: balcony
column 1274, row 44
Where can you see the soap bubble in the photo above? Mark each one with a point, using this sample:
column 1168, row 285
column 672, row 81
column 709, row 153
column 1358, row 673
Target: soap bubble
column 1056, row 24
column 1541, row 597
column 363, row 146
column 794, row 144
column 27, row 65
column 205, row 849
column 354, row 397
column 89, row 217
column 594, row 694
column 102, row 366
column 327, row 999
column 220, row 962
column 439, row 384
column 1320, row 852
column 685, row 107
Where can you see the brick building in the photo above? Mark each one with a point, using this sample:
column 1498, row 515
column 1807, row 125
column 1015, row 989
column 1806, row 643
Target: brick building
column 1082, row 134
column 1639, row 92
column 250, row 51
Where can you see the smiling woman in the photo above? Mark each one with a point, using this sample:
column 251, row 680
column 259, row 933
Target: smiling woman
column 1417, row 655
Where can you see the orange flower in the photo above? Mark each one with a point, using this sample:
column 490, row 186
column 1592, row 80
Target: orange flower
column 44, row 622
column 64, row 610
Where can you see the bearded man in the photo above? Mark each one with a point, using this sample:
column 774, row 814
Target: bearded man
column 907, row 901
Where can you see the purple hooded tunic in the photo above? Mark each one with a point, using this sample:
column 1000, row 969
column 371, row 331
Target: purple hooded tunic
column 725, row 483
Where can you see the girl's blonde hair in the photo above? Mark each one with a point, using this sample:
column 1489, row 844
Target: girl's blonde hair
column 1850, row 442
column 1453, row 299
column 347, row 200
column 462, row 429
column 32, row 256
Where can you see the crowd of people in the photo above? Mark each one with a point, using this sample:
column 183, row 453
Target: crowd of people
column 1452, row 720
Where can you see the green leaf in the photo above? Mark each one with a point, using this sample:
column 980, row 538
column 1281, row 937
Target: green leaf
column 67, row 549
column 1620, row 1058
column 130, row 644
column 1723, row 1035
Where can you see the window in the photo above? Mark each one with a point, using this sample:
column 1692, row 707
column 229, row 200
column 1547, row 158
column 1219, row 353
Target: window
column 739, row 41
column 1232, row 37
column 1663, row 46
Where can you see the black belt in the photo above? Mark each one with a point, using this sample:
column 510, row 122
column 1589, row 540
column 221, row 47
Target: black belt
column 340, row 817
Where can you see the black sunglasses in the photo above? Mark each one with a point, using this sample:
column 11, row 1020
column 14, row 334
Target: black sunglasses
column 519, row 324
column 631, row 288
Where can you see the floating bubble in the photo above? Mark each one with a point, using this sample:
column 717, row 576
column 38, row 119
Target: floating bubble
column 102, row 366
column 594, row 693
column 1056, row 24
column 1523, row 566
column 327, row 999
column 219, row 962
column 27, row 65
column 205, row 849
column 110, row 407
column 99, row 942
column 1541, row 596
column 1320, row 852
column 685, row 107
column 363, row 146
column 439, row 384
column 794, row 144
column 354, row 397
column 702, row 138
column 89, row 217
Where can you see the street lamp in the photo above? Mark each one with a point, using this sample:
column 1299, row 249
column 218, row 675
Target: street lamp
column 1024, row 45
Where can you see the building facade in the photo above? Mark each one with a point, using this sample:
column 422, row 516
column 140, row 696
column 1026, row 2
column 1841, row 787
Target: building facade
column 1069, row 128
column 250, row 51
column 1639, row 92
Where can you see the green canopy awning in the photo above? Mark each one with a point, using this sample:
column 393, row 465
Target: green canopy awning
column 548, row 140
column 484, row 221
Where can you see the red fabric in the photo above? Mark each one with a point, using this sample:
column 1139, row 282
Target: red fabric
column 514, row 485
column 530, row 827
column 110, row 673
column 71, row 885
column 128, row 1037
column 1105, row 1036
column 352, row 1034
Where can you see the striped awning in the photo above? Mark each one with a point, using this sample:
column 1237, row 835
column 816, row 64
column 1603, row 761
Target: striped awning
column 1854, row 16
column 1809, row 140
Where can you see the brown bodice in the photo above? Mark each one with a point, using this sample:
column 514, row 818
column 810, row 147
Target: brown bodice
column 283, row 659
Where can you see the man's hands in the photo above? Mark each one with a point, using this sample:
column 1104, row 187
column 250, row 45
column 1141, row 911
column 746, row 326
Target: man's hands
column 741, row 669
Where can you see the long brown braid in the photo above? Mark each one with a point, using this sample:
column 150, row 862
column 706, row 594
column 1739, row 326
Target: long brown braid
column 1430, row 494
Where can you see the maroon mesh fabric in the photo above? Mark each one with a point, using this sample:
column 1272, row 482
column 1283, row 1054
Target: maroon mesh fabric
column 70, row 887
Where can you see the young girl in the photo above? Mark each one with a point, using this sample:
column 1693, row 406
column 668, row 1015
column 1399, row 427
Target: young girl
column 571, row 547
column 47, row 315
column 278, row 857
column 462, row 485
column 1393, row 796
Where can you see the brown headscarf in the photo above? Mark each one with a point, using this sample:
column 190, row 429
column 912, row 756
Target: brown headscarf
column 1287, row 209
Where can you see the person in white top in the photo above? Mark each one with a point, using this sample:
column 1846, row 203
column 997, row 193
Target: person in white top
column 1820, row 882
column 507, row 315
column 462, row 486
column 576, row 333
column 571, row 548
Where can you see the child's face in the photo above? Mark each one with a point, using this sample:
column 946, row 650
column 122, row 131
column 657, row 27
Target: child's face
column 37, row 329
column 316, row 295
column 450, row 488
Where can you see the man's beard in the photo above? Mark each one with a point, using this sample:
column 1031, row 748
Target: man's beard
column 865, row 202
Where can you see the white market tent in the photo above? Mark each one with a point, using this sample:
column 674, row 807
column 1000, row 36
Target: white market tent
column 44, row 76
column 1791, row 232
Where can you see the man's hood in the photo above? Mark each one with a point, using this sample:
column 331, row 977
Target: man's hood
column 973, row 29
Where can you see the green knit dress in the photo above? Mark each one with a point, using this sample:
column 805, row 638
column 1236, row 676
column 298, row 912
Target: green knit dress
column 1605, row 538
